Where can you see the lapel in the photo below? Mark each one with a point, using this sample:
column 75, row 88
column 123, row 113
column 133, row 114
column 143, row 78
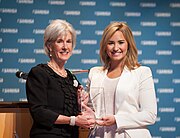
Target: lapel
column 98, row 78
column 122, row 88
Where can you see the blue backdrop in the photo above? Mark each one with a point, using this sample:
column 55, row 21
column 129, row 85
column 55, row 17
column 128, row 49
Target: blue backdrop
column 155, row 25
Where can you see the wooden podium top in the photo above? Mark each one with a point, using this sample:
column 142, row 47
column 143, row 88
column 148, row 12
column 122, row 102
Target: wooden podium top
column 14, row 105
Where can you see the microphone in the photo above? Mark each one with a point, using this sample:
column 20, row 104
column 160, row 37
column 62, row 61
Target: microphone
column 21, row 74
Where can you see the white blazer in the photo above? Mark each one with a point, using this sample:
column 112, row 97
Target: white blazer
column 135, row 100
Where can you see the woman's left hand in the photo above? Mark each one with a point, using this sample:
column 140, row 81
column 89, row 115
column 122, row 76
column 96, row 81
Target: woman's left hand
column 106, row 121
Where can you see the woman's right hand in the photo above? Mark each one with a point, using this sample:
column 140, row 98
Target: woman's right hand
column 83, row 121
column 87, row 118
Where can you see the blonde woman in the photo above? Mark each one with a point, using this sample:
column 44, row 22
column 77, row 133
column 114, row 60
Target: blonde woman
column 128, row 88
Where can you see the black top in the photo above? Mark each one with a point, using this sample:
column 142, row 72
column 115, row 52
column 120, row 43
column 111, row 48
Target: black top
column 50, row 95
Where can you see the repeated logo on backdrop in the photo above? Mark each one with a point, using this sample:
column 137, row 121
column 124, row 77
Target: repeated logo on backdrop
column 155, row 25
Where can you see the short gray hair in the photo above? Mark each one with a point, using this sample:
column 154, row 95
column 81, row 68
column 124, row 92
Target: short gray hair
column 55, row 29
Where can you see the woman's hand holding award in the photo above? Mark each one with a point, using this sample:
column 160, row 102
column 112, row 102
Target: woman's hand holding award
column 83, row 99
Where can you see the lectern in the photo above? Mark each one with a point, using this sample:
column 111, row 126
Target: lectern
column 16, row 121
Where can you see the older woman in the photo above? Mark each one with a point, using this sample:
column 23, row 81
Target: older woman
column 52, row 89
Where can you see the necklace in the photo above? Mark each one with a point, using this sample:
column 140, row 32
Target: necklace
column 64, row 74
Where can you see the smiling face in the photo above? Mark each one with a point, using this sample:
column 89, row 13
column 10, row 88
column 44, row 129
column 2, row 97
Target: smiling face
column 117, row 47
column 61, row 49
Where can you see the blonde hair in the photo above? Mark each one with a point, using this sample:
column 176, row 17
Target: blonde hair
column 55, row 29
column 131, row 58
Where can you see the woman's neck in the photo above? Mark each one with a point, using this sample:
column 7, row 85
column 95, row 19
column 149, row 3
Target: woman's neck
column 115, row 70
column 58, row 68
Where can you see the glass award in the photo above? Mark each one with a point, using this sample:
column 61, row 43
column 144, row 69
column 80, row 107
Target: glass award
column 81, row 98
column 85, row 109
column 97, row 98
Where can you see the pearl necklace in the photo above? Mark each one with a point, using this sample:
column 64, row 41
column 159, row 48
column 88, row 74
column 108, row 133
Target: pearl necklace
column 64, row 75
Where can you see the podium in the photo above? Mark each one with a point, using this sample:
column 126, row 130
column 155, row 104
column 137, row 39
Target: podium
column 16, row 121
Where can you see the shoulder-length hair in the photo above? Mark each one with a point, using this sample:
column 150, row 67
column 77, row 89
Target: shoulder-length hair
column 55, row 29
column 131, row 58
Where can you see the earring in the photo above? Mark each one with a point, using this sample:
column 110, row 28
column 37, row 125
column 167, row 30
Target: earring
column 50, row 55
